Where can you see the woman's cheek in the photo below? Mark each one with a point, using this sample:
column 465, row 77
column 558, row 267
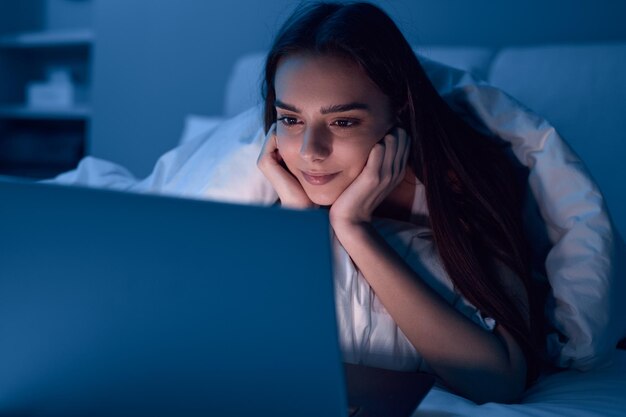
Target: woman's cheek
column 286, row 136
column 288, row 131
column 282, row 143
column 354, row 154
column 287, row 148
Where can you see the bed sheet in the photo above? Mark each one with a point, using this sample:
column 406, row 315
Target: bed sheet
column 571, row 393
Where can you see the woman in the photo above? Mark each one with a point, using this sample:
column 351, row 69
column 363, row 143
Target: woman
column 355, row 125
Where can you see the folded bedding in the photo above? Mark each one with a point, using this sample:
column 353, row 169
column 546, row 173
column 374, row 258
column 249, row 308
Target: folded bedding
column 574, row 241
column 571, row 393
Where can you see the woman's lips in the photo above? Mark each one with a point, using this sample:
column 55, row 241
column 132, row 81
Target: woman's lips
column 318, row 179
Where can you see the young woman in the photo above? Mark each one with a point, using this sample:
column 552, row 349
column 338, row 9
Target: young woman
column 355, row 125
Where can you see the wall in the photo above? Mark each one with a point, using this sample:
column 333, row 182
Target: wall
column 16, row 17
column 32, row 15
column 158, row 60
column 155, row 64
column 61, row 14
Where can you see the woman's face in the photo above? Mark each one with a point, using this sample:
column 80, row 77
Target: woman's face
column 329, row 116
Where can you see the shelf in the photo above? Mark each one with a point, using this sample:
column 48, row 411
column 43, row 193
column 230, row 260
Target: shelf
column 78, row 112
column 48, row 39
column 26, row 172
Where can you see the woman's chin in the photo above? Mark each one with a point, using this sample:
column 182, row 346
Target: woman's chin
column 322, row 199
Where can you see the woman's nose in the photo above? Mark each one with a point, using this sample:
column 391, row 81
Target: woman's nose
column 316, row 145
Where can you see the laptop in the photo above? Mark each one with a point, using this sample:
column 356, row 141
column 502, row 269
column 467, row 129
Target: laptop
column 124, row 304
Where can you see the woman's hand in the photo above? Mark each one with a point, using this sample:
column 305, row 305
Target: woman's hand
column 383, row 171
column 287, row 187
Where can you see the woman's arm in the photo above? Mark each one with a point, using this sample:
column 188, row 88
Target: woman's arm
column 480, row 365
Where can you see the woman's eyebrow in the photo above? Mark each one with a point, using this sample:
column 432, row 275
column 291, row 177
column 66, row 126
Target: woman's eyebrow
column 278, row 103
column 335, row 108
column 338, row 108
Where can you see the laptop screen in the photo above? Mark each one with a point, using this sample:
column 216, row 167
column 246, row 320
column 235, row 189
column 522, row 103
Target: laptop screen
column 117, row 304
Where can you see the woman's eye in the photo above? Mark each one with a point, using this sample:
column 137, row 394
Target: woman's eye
column 288, row 121
column 345, row 123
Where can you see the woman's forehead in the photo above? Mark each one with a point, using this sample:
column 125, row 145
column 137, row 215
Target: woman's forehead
column 324, row 79
column 318, row 68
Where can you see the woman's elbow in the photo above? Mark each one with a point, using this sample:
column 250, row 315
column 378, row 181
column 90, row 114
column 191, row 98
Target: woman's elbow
column 504, row 385
column 505, row 390
column 508, row 380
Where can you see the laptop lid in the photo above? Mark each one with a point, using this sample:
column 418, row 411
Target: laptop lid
column 122, row 304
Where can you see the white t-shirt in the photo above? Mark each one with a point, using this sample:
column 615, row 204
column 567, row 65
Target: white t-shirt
column 368, row 335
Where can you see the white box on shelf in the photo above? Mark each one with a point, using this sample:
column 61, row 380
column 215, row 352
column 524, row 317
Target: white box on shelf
column 57, row 92
column 49, row 95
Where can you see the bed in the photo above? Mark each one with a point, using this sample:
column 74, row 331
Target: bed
column 569, row 393
column 557, row 82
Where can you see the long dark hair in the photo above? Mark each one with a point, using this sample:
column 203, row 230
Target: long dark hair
column 473, row 193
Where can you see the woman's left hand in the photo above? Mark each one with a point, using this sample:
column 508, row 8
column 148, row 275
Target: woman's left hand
column 384, row 170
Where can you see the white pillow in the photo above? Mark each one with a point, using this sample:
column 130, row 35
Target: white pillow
column 475, row 60
column 243, row 88
column 218, row 165
column 197, row 125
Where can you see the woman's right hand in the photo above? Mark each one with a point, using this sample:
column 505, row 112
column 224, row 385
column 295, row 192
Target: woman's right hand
column 289, row 190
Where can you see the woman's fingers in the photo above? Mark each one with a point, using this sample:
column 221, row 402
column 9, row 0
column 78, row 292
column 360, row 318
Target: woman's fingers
column 374, row 166
column 389, row 168
column 396, row 154
column 384, row 169
column 404, row 147
column 269, row 144
column 287, row 187
column 270, row 157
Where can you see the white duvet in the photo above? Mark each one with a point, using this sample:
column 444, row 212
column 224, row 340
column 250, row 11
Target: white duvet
column 583, row 260
column 596, row 393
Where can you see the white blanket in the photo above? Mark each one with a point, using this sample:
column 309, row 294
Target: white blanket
column 596, row 393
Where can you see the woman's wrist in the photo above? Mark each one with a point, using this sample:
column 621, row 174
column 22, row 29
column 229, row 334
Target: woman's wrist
column 344, row 221
column 347, row 230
